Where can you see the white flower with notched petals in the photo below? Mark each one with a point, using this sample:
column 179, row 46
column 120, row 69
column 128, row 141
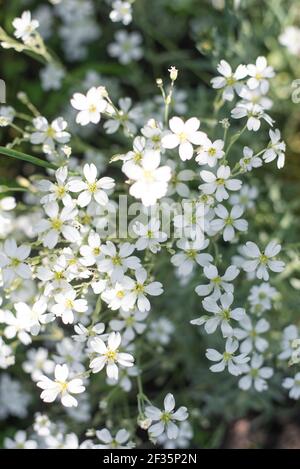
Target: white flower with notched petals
column 37, row 363
column 261, row 297
column 219, row 184
column 260, row 261
column 249, row 161
column 7, row 115
column 109, row 356
column 229, row 81
column 223, row 315
column 12, row 262
column 120, row 441
column 117, row 262
column 84, row 334
column 235, row 363
column 56, row 190
column 65, row 305
column 126, row 117
column 7, row 357
column 276, row 149
column 61, row 386
column 20, row 441
column 150, row 180
column 142, row 289
column 290, row 335
column 190, row 256
column 254, row 113
column 90, row 106
column 122, row 11
column 259, row 74
column 120, row 296
column 184, row 135
column 210, row 152
column 36, row 313
column 218, row 283
column 245, row 197
column 130, row 322
column 91, row 187
column 150, row 236
column 290, row 38
column 255, row 375
column 229, row 222
column 250, row 335
column 91, row 252
column 58, row 224
column 17, row 325
column 49, row 134
column 165, row 419
column 293, row 384
column 25, row 26
column 178, row 183
column 127, row 47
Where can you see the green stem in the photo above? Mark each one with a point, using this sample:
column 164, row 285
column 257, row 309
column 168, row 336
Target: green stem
column 23, row 156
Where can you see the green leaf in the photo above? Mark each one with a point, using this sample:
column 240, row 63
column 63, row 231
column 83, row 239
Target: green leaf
column 30, row 159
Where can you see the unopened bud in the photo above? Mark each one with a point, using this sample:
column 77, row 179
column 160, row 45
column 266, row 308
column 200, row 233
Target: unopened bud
column 159, row 82
column 173, row 73
column 144, row 423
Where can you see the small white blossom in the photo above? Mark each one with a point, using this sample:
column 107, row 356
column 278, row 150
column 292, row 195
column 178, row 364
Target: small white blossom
column 276, row 149
column 48, row 134
column 229, row 222
column 184, row 135
column 249, row 161
column 165, row 419
column 260, row 261
column 12, row 262
column 25, row 26
column 90, row 106
column 250, row 335
column 255, row 375
column 229, row 81
column 219, row 184
column 210, row 152
column 293, row 384
column 122, row 11
column 235, row 363
column 259, row 74
column 127, row 47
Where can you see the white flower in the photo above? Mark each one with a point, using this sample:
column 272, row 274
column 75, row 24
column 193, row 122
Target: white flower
column 120, row 296
column 66, row 303
column 18, row 325
column 149, row 236
column 7, row 115
column 235, row 363
column 293, row 384
column 290, row 334
column 37, row 314
column 223, row 315
column 109, row 356
column 7, row 357
column 183, row 439
column 51, row 77
column 125, row 117
column 20, row 441
column 290, row 38
column 245, row 197
column 228, row 222
column 165, row 420
column 255, row 375
column 90, row 106
column 91, row 187
column 25, row 26
column 229, row 80
column 260, row 297
column 37, row 363
column 141, row 289
column 58, row 223
column 249, row 161
column 12, row 262
column 132, row 322
column 190, row 257
column 49, row 134
column 217, row 282
column 253, row 112
column 61, row 386
column 179, row 179
column 220, row 183
column 122, row 11
column 120, row 441
column 116, row 263
column 83, row 334
column 210, row 152
column 160, row 331
column 91, row 252
column 250, row 333
column 259, row 75
column 184, row 134
column 150, row 179
column 276, row 149
column 259, row 261
column 127, row 47
column 57, row 190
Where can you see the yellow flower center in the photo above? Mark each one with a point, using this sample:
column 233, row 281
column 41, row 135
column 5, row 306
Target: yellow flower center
column 92, row 187
column 263, row 259
column 59, row 275
column 69, row 304
column 148, row 176
column 191, row 253
column 15, row 262
column 63, row 385
column 182, row 137
column 60, row 191
column 111, row 355
column 139, row 288
column 92, row 108
column 212, row 151
column 220, row 182
column 96, row 251
column 230, row 81
column 56, row 224
column 120, row 294
column 116, row 260
column 50, row 132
